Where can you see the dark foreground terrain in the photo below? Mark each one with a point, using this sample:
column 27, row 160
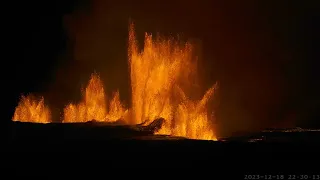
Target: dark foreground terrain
column 84, row 146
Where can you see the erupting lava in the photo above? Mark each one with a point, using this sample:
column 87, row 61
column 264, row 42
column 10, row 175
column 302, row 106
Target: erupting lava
column 159, row 76
column 94, row 106
column 30, row 109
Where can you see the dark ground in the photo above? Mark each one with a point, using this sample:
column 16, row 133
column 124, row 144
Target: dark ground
column 21, row 131
column 90, row 148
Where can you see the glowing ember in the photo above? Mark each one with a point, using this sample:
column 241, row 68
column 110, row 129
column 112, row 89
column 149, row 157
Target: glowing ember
column 30, row 109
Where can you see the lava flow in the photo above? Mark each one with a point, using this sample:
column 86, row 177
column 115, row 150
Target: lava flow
column 160, row 74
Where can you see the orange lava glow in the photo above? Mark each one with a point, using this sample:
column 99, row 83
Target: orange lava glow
column 30, row 109
column 93, row 105
column 157, row 74
column 160, row 74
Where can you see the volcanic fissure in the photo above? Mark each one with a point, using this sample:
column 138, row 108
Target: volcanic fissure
column 159, row 77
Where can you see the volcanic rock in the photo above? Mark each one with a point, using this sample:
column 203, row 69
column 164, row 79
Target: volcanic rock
column 87, row 130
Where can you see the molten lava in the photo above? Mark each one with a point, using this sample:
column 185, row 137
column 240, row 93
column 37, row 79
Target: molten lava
column 93, row 105
column 191, row 119
column 30, row 109
column 160, row 76
column 157, row 73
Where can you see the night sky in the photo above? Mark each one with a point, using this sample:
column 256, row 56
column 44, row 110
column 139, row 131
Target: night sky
column 263, row 53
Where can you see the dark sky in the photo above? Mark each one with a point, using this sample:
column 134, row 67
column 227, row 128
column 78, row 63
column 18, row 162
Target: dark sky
column 263, row 53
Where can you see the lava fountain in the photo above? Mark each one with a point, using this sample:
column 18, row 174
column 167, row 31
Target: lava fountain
column 93, row 105
column 31, row 109
column 160, row 75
